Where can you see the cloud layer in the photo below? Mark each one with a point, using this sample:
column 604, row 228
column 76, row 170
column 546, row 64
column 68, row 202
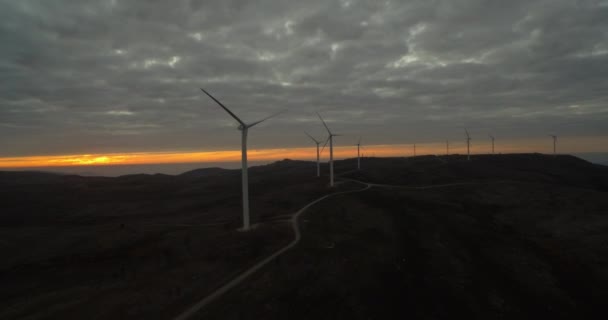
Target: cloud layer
column 113, row 76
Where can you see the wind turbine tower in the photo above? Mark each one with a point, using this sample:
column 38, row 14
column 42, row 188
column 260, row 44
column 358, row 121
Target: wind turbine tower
column 243, row 127
column 468, row 144
column 554, row 143
column 492, row 137
column 318, row 163
column 359, row 154
column 331, row 151
column 447, row 147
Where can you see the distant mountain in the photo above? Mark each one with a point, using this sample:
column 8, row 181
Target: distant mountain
column 538, row 168
column 594, row 157
column 206, row 172
column 285, row 164
column 27, row 177
column 144, row 178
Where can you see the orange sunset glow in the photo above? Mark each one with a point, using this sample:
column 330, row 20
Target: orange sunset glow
column 566, row 145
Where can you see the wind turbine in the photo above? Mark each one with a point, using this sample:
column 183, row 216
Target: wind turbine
column 318, row 163
column 447, row 147
column 414, row 149
column 468, row 144
column 331, row 151
column 554, row 143
column 492, row 137
column 243, row 127
column 359, row 154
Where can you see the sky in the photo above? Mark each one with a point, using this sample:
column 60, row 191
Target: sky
column 110, row 79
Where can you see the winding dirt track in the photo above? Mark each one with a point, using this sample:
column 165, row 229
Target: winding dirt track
column 427, row 187
column 234, row 282
column 296, row 229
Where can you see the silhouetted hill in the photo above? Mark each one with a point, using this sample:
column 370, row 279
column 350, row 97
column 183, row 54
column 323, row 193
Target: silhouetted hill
column 286, row 164
column 144, row 178
column 561, row 169
column 206, row 172
column 509, row 237
column 519, row 236
column 25, row 177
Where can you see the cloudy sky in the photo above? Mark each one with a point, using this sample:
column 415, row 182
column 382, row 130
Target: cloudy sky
column 123, row 76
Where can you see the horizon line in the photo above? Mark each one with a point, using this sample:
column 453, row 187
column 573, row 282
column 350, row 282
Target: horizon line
column 566, row 146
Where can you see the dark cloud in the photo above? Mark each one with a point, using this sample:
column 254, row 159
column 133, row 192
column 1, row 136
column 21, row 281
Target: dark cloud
column 113, row 76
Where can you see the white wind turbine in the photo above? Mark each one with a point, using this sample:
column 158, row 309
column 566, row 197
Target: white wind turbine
column 468, row 144
column 492, row 137
column 318, row 161
column 331, row 151
column 359, row 154
column 554, row 143
column 243, row 127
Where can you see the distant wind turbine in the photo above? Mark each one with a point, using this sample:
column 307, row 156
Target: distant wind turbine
column 447, row 147
column 330, row 138
column 243, row 127
column 414, row 149
column 554, row 143
column 318, row 163
column 359, row 154
column 492, row 137
column 468, row 144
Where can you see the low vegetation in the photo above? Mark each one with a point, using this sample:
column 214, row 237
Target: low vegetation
column 517, row 236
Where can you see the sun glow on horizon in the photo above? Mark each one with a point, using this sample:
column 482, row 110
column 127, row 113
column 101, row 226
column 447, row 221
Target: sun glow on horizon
column 565, row 145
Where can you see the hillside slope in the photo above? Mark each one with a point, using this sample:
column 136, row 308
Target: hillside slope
column 516, row 236
column 523, row 237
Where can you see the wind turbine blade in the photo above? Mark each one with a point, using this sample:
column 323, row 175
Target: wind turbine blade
column 326, row 127
column 466, row 132
column 270, row 116
column 225, row 108
column 313, row 139
column 326, row 141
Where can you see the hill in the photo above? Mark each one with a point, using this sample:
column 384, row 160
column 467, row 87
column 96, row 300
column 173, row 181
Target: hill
column 500, row 236
column 207, row 172
column 509, row 236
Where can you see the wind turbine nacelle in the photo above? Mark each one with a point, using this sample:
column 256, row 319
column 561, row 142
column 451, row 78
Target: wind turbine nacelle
column 240, row 127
